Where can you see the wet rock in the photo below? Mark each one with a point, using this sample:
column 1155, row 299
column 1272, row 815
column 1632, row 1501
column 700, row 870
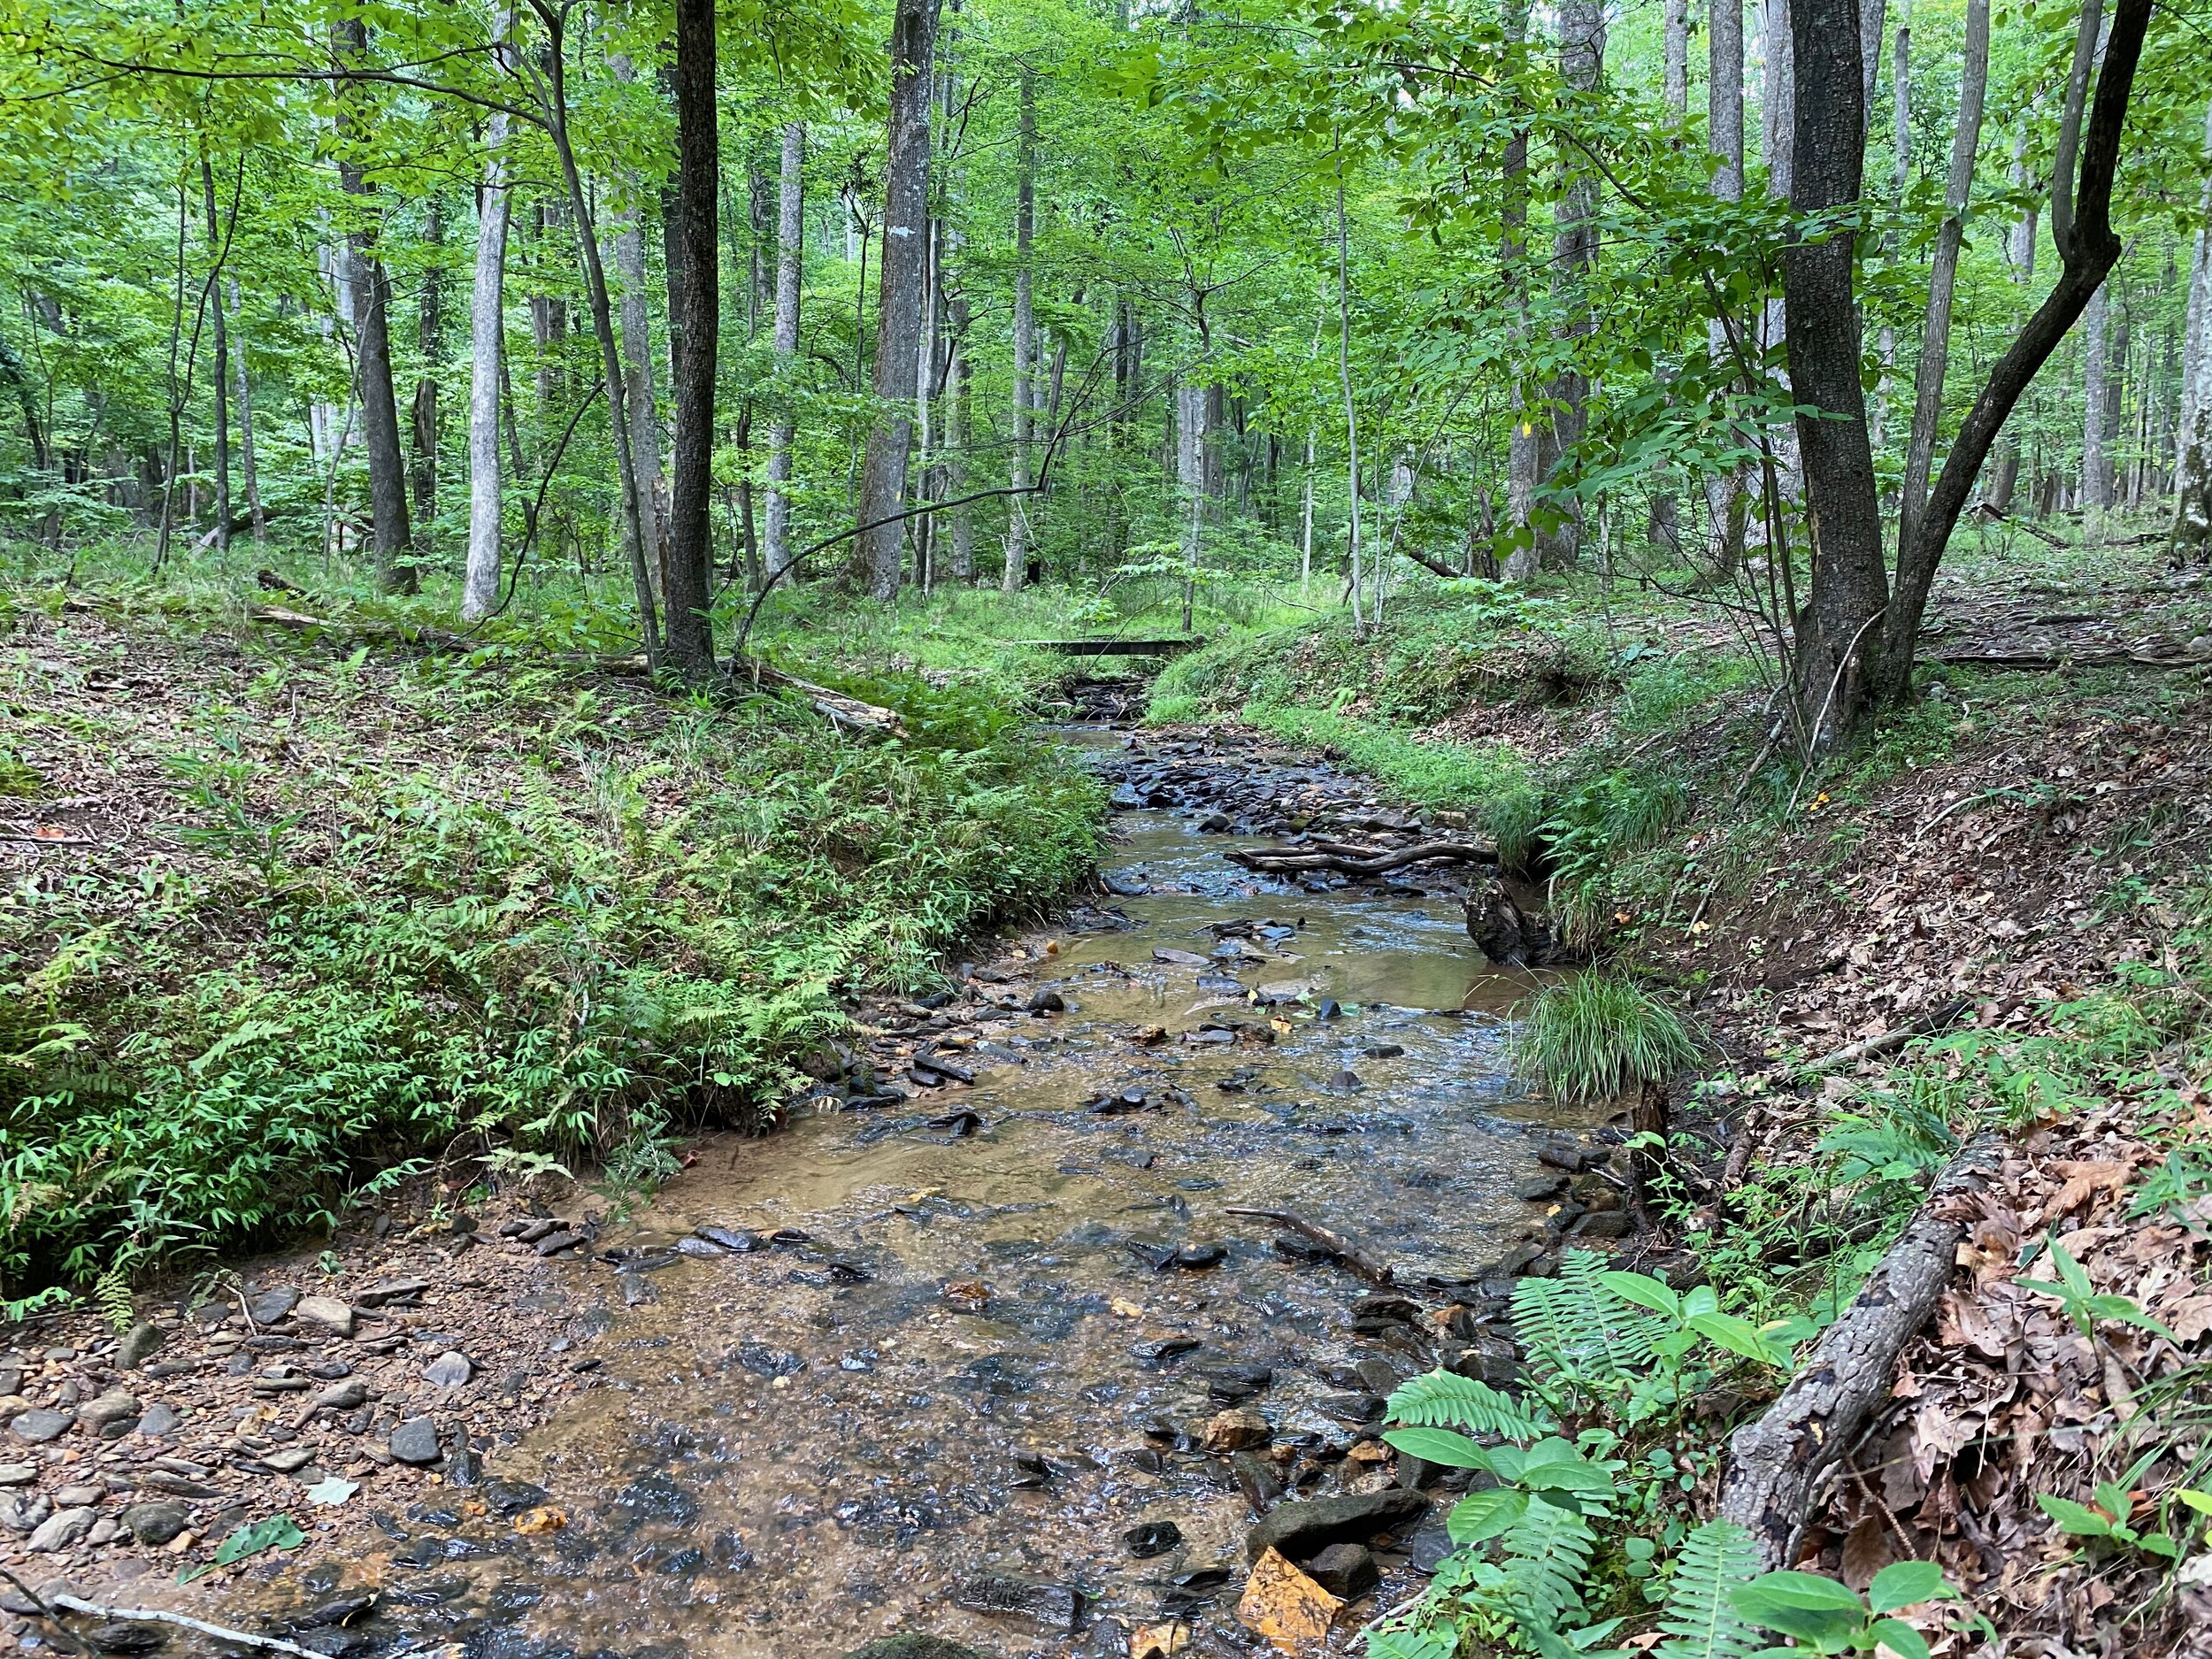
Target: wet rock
column 789, row 1238
column 1152, row 1537
column 1055, row 1607
column 1347, row 1080
column 728, row 1238
column 1345, row 1570
column 1167, row 1350
column 1541, row 1189
column 416, row 1441
column 1178, row 958
column 1605, row 1224
column 1571, row 1156
column 700, row 1250
column 1305, row 1528
column 37, row 1427
column 914, row 1645
column 1384, row 1050
column 637, row 1290
column 848, row 1273
column 1355, row 1409
column 1486, row 1359
column 1373, row 1314
column 1123, row 885
column 1031, row 1472
column 333, row 1315
column 141, row 1344
column 449, row 1370
column 1234, row 1430
column 1232, row 1385
column 336, row 1644
column 392, row 1291
column 1428, row 1547
column 1045, row 1000
column 126, row 1637
column 345, row 1609
column 156, row 1523
column 554, row 1243
column 61, row 1530
column 1195, row 1257
column 513, row 1497
column 1257, row 1479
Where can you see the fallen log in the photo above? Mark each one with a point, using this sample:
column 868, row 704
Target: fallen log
column 1934, row 1020
column 1347, row 859
column 1774, row 1462
column 1998, row 515
column 2045, row 660
column 1335, row 1243
column 840, row 710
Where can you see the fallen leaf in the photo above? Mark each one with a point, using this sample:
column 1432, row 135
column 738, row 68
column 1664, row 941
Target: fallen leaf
column 333, row 1490
column 545, row 1518
column 1159, row 1641
column 1284, row 1606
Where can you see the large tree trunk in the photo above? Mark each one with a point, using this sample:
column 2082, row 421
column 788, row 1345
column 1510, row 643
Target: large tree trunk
column 220, row 378
column 1675, row 71
column 695, row 323
column 1935, row 339
column 1574, row 255
column 637, row 360
column 2193, row 444
column 899, row 306
column 1025, row 337
column 480, row 582
column 429, row 337
column 245, row 424
column 790, row 272
column 1850, row 585
column 371, row 299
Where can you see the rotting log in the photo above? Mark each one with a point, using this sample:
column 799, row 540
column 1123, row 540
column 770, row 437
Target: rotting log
column 1116, row 648
column 1335, row 1243
column 1775, row 1463
column 1348, row 859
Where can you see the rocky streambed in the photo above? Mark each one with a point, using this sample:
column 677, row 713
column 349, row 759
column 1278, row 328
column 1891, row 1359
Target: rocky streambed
column 980, row 1345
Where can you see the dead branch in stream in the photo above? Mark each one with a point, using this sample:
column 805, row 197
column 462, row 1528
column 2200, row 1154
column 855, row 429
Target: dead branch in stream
column 1347, row 858
column 1335, row 1243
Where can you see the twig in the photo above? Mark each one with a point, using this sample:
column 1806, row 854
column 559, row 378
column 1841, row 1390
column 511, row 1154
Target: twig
column 47, row 840
column 1335, row 1243
column 159, row 1616
column 52, row 1617
column 1934, row 1020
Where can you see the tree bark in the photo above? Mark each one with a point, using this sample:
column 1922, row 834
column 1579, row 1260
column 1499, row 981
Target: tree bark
column 1351, row 403
column 479, row 581
column 899, row 305
column 635, row 316
column 1725, row 133
column 371, row 296
column 1574, row 255
column 1935, row 339
column 220, row 378
column 790, row 272
column 1016, row 568
column 1850, row 584
column 696, row 321
column 2020, row 255
column 429, row 337
column 1521, row 450
column 2096, row 465
column 1675, row 47
column 2192, row 535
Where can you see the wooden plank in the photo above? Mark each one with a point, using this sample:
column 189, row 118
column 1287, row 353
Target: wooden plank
column 1114, row 647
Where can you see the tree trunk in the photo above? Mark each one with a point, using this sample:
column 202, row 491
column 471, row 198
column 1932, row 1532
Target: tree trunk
column 1351, row 403
column 1935, row 339
column 790, row 272
column 1900, row 168
column 695, row 322
column 1521, row 444
column 480, row 582
column 2020, row 255
column 1850, row 584
column 220, row 378
column 372, row 296
column 1676, row 73
column 245, row 424
column 1025, row 337
column 429, row 337
column 1725, row 131
column 899, row 303
column 2191, row 533
column 2096, row 466
column 637, row 360
column 1574, row 255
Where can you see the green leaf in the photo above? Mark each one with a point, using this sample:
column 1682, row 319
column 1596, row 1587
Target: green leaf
column 1439, row 1445
column 1740, row 1336
column 1895, row 1636
column 1644, row 1291
column 2074, row 1517
column 277, row 1531
column 1482, row 1516
column 1411, row 1644
column 1904, row 1583
column 1808, row 1591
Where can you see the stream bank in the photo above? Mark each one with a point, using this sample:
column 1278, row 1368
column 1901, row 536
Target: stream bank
column 976, row 1345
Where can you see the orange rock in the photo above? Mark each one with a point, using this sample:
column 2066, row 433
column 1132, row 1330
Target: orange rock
column 1233, row 1431
column 1287, row 1607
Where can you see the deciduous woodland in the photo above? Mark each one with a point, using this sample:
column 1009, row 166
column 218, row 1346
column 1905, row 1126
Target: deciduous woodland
column 927, row 828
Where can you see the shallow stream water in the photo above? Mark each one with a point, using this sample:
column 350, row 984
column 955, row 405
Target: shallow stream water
column 985, row 1355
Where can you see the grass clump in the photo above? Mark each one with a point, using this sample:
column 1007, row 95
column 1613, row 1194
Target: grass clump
column 1595, row 1036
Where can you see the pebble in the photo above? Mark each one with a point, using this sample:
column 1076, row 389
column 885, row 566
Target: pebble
column 80, row 1497
column 1152, row 1537
column 1232, row 1431
column 333, row 1315
column 115, row 1406
column 449, row 1370
column 144, row 1340
column 728, row 1238
column 18, row 1474
column 61, row 1530
column 1056, row 1607
column 39, row 1426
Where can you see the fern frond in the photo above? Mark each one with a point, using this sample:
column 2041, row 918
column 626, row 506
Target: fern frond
column 1445, row 1399
column 1547, row 1556
column 1701, row 1621
column 111, row 1294
column 1572, row 1327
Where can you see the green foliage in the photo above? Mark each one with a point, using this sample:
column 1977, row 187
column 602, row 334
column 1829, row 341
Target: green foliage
column 1442, row 1399
column 1701, row 1620
column 1823, row 1616
column 1594, row 1036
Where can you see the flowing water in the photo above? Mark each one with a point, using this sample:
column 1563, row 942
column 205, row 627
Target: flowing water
column 986, row 1355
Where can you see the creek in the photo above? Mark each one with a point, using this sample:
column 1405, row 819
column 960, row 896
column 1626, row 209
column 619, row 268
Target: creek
column 985, row 1330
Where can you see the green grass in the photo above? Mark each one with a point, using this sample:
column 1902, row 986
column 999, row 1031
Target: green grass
column 465, row 906
column 1589, row 1038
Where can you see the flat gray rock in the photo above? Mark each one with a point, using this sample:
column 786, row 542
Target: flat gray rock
column 416, row 1441
column 333, row 1315
column 39, row 1426
column 60, row 1530
column 157, row 1523
column 449, row 1370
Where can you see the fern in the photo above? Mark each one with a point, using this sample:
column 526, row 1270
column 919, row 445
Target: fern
column 1574, row 1329
column 1445, row 1399
column 1701, row 1621
column 111, row 1294
column 1547, row 1555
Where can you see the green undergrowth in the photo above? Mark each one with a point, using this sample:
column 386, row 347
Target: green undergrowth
column 377, row 909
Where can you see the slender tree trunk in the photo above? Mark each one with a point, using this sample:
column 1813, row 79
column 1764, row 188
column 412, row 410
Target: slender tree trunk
column 1574, row 255
column 695, row 324
column 219, row 379
column 790, row 272
column 1901, row 167
column 635, row 316
column 371, row 296
column 2191, row 532
column 1850, row 583
column 429, row 336
column 2096, row 466
column 2020, row 255
column 1675, row 71
column 1025, row 337
column 245, row 423
column 1522, row 458
column 1305, row 519
column 1344, row 378
column 899, row 305
column 480, row 583
column 1935, row 339
column 1725, row 132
